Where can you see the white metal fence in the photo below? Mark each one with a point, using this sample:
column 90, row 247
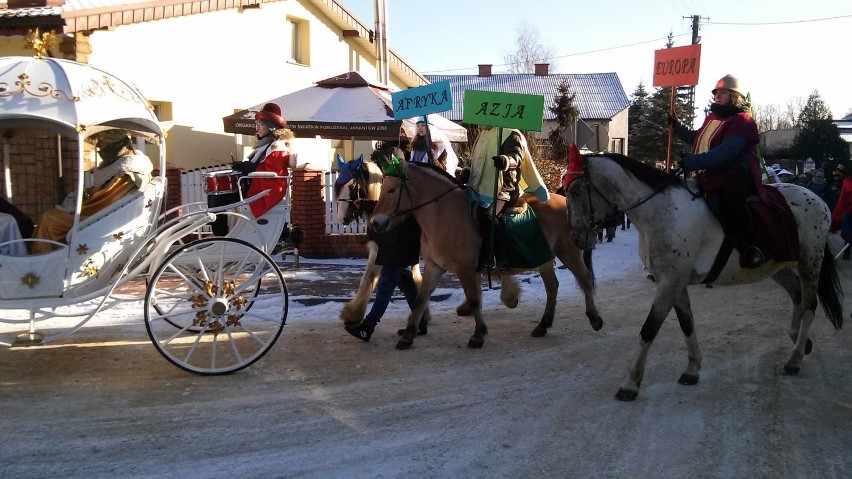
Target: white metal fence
column 193, row 184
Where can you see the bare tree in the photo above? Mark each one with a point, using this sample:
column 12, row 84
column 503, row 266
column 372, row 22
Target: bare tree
column 772, row 116
column 793, row 109
column 529, row 50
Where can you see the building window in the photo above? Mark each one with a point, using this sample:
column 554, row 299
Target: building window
column 617, row 145
column 162, row 110
column 299, row 44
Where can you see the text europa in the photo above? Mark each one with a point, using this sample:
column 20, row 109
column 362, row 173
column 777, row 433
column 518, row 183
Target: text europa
column 675, row 67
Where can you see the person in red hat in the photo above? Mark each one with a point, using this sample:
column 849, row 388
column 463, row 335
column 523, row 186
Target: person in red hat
column 724, row 155
column 272, row 153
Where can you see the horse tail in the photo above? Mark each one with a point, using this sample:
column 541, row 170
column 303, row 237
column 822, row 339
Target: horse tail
column 587, row 259
column 829, row 291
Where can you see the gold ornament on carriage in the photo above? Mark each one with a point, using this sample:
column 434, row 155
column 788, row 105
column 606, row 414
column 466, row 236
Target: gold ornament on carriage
column 42, row 43
column 31, row 280
column 90, row 269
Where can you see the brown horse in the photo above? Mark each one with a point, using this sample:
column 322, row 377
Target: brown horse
column 451, row 242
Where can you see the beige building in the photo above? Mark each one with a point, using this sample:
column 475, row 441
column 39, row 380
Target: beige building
column 198, row 61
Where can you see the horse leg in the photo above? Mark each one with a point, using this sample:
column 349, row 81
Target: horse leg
column 808, row 288
column 428, row 283
column 661, row 307
column 473, row 294
column 683, row 310
column 427, row 316
column 791, row 283
column 551, row 288
column 510, row 290
column 464, row 309
column 572, row 258
column 353, row 311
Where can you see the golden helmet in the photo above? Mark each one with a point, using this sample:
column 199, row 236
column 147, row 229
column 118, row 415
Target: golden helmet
column 728, row 82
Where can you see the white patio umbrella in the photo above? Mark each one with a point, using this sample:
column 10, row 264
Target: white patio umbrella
column 346, row 106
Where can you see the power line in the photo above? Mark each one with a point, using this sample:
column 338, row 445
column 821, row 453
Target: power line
column 656, row 40
column 570, row 54
column 777, row 23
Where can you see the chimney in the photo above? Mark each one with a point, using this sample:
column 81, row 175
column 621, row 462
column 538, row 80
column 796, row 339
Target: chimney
column 541, row 69
column 485, row 70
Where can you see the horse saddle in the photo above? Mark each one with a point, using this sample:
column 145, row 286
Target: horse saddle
column 518, row 235
column 774, row 227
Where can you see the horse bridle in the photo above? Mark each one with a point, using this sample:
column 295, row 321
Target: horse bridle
column 594, row 225
column 404, row 180
column 358, row 191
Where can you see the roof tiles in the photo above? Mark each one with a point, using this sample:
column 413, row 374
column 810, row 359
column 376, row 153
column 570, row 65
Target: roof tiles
column 596, row 95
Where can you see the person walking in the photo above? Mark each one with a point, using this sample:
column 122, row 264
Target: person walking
column 841, row 215
column 399, row 248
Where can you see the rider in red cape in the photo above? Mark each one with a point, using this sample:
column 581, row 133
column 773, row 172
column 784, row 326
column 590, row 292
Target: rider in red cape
column 724, row 155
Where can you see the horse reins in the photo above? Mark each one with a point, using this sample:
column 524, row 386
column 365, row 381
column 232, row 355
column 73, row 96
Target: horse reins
column 596, row 225
column 398, row 212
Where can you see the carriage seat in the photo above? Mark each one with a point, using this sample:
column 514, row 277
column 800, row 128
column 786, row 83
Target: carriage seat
column 123, row 210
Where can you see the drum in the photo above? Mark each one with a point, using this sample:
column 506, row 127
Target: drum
column 221, row 182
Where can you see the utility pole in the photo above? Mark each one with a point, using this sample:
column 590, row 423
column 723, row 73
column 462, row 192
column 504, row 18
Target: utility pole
column 690, row 91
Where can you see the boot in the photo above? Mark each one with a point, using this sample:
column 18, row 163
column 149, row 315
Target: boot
column 754, row 257
column 363, row 330
column 501, row 245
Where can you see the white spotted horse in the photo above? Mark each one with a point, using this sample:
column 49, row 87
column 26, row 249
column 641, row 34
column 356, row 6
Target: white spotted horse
column 451, row 242
column 680, row 241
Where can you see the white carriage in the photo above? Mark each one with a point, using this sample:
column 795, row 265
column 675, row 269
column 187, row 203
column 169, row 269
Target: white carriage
column 211, row 305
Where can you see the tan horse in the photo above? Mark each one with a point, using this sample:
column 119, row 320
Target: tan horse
column 451, row 242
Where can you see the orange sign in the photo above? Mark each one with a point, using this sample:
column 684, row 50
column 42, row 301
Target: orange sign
column 677, row 66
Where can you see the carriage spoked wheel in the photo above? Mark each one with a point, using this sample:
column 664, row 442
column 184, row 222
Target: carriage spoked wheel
column 215, row 306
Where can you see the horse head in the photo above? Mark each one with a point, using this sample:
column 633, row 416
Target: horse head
column 351, row 185
column 586, row 206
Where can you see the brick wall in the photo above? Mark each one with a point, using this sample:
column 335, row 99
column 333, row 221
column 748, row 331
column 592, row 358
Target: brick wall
column 33, row 166
column 308, row 210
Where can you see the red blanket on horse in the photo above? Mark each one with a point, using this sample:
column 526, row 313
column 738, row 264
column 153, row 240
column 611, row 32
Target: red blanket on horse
column 775, row 226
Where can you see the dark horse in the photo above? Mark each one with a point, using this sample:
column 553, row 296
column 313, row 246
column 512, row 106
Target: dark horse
column 679, row 240
column 451, row 242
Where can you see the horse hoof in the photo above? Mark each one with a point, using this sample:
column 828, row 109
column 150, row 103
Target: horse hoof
column 809, row 345
column 404, row 343
column 538, row 332
column 463, row 310
column 512, row 304
column 475, row 342
column 688, row 379
column 626, row 394
column 791, row 370
column 596, row 322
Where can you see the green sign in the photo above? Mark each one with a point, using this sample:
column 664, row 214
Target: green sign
column 508, row 110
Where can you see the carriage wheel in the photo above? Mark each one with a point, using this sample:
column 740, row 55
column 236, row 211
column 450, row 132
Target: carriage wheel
column 216, row 306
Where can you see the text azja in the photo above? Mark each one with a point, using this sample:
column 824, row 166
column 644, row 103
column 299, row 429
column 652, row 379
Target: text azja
column 507, row 110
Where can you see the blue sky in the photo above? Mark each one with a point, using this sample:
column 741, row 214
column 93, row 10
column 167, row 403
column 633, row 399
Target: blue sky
column 781, row 50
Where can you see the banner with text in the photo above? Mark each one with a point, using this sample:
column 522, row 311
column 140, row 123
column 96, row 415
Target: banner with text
column 677, row 66
column 422, row 100
column 508, row 110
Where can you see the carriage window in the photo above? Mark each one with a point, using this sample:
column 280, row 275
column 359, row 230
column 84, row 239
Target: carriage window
column 299, row 41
